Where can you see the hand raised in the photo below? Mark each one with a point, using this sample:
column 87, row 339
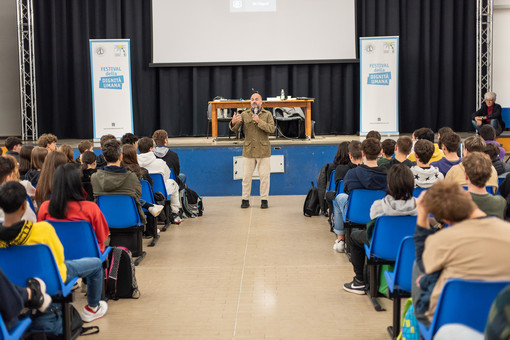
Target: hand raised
column 236, row 118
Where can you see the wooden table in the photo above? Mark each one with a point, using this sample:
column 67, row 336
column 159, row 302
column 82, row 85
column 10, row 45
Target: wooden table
column 234, row 104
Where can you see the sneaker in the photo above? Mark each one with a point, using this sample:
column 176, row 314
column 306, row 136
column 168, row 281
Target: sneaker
column 356, row 287
column 339, row 246
column 89, row 315
column 245, row 204
column 263, row 204
column 177, row 219
column 156, row 209
column 38, row 299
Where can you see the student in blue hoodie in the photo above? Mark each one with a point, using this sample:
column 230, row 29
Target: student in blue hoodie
column 366, row 176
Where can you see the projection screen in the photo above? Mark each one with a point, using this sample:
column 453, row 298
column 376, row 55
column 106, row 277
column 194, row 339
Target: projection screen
column 205, row 32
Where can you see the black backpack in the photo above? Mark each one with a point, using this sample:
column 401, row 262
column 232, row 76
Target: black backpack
column 120, row 275
column 311, row 206
column 191, row 202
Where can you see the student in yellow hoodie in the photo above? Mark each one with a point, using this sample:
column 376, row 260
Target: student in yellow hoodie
column 15, row 231
column 428, row 134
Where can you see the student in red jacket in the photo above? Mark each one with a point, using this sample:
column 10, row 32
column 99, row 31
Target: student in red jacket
column 68, row 203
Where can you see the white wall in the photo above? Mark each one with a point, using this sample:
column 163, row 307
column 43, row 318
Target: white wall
column 10, row 116
column 501, row 50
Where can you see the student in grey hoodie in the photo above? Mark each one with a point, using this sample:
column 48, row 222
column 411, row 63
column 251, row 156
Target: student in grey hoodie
column 161, row 150
column 425, row 175
column 399, row 201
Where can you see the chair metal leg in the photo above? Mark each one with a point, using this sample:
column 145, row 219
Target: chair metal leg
column 139, row 258
column 395, row 329
column 373, row 288
column 66, row 322
column 168, row 211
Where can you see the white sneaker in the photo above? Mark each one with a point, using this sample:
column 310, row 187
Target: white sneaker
column 177, row 219
column 88, row 315
column 156, row 209
column 339, row 246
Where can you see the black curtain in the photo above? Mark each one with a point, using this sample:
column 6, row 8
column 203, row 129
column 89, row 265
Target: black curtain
column 437, row 69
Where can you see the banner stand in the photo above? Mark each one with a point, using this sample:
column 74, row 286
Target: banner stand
column 379, row 85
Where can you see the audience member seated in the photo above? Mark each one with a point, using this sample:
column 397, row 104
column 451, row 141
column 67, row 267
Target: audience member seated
column 449, row 143
column 8, row 173
column 489, row 113
column 428, row 134
column 161, row 150
column 68, row 151
column 114, row 179
column 425, row 175
column 488, row 133
column 399, row 201
column 492, row 151
column 43, row 190
column 130, row 162
column 36, row 163
column 25, row 155
column 458, row 174
column 88, row 167
column 402, row 150
column 374, row 134
column 349, row 158
column 13, row 145
column 147, row 159
column 441, row 132
column 84, row 145
column 68, row 204
column 449, row 253
column 48, row 141
column 365, row 176
column 16, row 231
column 478, row 171
column 15, row 298
column 129, row 138
column 101, row 162
column 388, row 149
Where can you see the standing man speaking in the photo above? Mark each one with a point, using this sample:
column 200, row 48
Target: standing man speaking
column 258, row 124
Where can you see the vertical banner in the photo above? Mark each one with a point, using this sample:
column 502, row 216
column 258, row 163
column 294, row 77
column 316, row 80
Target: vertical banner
column 379, row 85
column 112, row 104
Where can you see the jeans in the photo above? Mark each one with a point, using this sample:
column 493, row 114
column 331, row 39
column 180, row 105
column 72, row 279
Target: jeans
column 493, row 122
column 340, row 206
column 91, row 269
column 182, row 177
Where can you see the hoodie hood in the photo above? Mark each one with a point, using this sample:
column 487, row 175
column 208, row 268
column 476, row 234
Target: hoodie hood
column 392, row 207
column 146, row 159
column 369, row 178
column 111, row 181
column 160, row 151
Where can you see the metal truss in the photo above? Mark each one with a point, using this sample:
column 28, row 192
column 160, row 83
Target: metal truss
column 25, row 16
column 484, row 15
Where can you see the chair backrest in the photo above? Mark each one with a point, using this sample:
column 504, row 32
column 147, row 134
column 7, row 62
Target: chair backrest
column 17, row 330
column 466, row 302
column 22, row 262
column 78, row 238
column 389, row 231
column 147, row 194
column 418, row 191
column 404, row 264
column 31, row 204
column 158, row 184
column 340, row 187
column 360, row 201
column 489, row 189
column 172, row 175
column 120, row 211
column 500, row 181
column 331, row 186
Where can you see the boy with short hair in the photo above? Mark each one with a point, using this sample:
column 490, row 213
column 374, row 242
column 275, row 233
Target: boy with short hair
column 48, row 141
column 425, row 175
column 388, row 149
column 13, row 145
column 84, row 145
column 450, row 142
column 403, row 148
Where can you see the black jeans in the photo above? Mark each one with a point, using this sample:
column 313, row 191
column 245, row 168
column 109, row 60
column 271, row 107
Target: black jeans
column 357, row 241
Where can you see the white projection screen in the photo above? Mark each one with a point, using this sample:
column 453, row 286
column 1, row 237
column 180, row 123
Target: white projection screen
column 205, row 32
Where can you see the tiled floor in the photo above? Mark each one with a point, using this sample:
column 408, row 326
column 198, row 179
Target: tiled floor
column 245, row 274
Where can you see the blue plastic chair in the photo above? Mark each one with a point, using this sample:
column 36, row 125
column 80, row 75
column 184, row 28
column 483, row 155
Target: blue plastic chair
column 500, row 181
column 465, row 302
column 121, row 213
column 158, row 185
column 418, row 191
column 79, row 240
column 388, row 232
column 31, row 204
column 16, row 332
column 340, row 187
column 331, row 186
column 358, row 207
column 152, row 223
column 20, row 263
column 400, row 280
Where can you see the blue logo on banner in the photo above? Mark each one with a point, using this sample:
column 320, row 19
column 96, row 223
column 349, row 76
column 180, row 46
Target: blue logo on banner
column 114, row 83
column 382, row 78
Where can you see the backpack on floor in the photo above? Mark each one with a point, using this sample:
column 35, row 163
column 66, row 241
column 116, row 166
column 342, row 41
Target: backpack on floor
column 311, row 206
column 410, row 328
column 191, row 202
column 120, row 275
